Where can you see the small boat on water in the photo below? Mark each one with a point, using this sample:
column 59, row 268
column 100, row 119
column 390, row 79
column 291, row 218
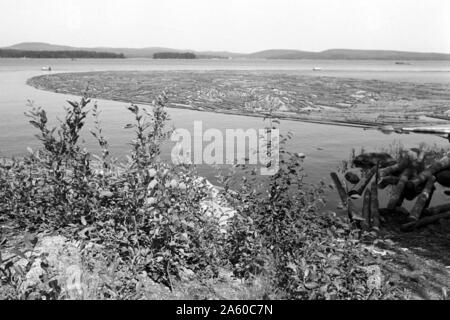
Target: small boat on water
column 48, row 68
column 317, row 69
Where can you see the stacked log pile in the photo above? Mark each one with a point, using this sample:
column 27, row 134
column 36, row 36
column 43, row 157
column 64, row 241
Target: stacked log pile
column 409, row 177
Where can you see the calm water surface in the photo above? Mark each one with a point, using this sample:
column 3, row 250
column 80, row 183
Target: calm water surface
column 325, row 146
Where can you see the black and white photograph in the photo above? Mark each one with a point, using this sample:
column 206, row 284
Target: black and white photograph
column 241, row 152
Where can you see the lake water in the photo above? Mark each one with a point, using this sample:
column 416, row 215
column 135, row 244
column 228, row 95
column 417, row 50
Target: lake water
column 324, row 145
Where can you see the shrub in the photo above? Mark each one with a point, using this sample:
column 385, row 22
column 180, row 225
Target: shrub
column 147, row 214
column 146, row 210
column 281, row 233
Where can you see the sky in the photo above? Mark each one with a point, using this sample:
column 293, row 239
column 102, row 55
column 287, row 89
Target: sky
column 230, row 25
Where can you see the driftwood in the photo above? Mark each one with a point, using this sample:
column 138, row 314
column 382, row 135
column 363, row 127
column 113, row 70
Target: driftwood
column 398, row 167
column 411, row 193
column 358, row 190
column 436, row 210
column 369, row 160
column 409, row 180
column 435, row 168
column 425, row 221
column 397, row 192
column 422, row 199
column 387, row 181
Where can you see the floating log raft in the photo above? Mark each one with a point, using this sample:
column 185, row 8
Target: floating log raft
column 434, row 130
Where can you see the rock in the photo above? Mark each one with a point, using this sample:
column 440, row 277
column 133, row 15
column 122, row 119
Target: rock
column 352, row 177
column 387, row 129
column 375, row 278
column 368, row 160
column 55, row 259
column 152, row 184
column 215, row 205
column 212, row 208
column 443, row 178
column 152, row 173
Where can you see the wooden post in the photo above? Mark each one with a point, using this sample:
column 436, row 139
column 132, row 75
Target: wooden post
column 427, row 204
column 374, row 204
column 352, row 213
column 397, row 191
column 422, row 199
column 366, row 223
column 340, row 188
column 358, row 190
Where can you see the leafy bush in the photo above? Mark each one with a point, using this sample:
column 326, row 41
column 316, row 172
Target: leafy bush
column 280, row 232
column 146, row 210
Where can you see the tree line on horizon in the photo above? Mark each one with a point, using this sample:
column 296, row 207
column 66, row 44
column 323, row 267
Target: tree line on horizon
column 174, row 55
column 12, row 53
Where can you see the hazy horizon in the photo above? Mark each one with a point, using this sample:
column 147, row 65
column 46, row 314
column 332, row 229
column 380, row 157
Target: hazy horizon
column 231, row 25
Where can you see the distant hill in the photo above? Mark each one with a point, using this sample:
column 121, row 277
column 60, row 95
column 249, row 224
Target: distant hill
column 336, row 54
column 347, row 54
column 280, row 54
column 381, row 55
column 128, row 52
column 174, row 55
column 40, row 46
